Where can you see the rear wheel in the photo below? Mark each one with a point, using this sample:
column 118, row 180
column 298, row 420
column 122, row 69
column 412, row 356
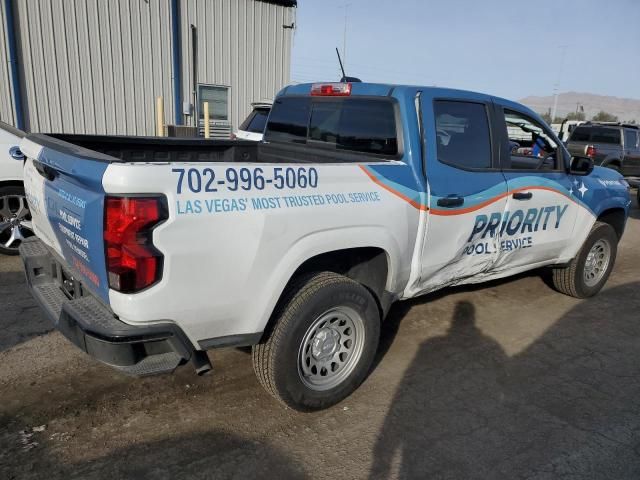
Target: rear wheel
column 323, row 342
column 15, row 219
column 589, row 270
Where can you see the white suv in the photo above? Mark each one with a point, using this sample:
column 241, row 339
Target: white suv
column 15, row 220
column 253, row 127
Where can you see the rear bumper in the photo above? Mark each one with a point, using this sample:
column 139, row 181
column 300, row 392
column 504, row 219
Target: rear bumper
column 93, row 327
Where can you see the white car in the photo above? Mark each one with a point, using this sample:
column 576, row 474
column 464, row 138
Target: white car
column 253, row 126
column 15, row 221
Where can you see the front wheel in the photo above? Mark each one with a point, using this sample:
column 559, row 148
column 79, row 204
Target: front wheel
column 589, row 270
column 323, row 342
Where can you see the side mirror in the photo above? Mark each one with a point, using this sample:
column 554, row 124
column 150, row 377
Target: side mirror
column 581, row 165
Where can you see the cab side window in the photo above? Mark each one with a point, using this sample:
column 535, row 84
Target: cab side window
column 631, row 139
column 530, row 146
column 463, row 135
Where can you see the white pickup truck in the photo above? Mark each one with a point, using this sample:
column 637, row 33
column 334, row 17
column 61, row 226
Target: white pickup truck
column 151, row 251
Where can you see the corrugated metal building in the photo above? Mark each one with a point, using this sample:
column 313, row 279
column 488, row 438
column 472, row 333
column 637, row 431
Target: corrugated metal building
column 97, row 66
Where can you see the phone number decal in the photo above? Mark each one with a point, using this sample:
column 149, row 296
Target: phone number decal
column 196, row 180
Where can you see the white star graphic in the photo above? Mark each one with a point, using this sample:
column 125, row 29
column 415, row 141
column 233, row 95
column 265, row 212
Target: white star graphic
column 575, row 182
column 583, row 190
column 571, row 191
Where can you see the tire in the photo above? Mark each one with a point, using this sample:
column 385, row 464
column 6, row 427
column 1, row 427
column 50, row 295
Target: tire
column 582, row 278
column 323, row 317
column 15, row 219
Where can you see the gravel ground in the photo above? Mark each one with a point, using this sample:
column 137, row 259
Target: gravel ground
column 506, row 380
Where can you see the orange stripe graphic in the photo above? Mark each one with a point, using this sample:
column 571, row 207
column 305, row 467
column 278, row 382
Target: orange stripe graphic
column 413, row 203
column 462, row 211
column 473, row 208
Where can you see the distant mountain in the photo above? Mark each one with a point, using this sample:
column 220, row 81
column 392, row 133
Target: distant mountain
column 626, row 109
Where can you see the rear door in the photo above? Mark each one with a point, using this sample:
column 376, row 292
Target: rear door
column 466, row 190
column 63, row 186
column 542, row 200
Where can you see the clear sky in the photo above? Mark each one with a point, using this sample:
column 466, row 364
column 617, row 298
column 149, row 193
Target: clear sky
column 509, row 48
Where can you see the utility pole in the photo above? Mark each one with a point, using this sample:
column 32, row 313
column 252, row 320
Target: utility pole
column 556, row 87
column 344, row 33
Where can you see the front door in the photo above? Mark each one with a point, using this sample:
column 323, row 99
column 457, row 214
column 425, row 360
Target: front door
column 542, row 201
column 466, row 191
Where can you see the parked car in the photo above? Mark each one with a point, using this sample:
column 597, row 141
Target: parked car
column 253, row 126
column 612, row 145
column 361, row 195
column 15, row 220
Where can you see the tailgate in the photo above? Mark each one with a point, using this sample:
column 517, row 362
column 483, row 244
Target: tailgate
column 577, row 148
column 63, row 185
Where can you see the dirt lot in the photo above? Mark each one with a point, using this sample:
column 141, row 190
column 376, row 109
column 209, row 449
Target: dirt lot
column 508, row 380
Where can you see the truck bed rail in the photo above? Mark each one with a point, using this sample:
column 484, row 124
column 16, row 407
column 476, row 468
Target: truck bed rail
column 125, row 149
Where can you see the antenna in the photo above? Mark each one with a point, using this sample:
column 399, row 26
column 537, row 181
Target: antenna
column 344, row 75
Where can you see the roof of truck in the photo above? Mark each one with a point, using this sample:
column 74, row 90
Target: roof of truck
column 386, row 89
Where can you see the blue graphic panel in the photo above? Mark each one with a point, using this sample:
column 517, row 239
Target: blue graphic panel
column 74, row 199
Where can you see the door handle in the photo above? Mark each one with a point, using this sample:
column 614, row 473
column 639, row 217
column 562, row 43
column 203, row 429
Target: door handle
column 523, row 195
column 450, row 201
column 45, row 171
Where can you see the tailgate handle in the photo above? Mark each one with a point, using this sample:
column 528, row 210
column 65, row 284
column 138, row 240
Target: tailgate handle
column 450, row 201
column 44, row 170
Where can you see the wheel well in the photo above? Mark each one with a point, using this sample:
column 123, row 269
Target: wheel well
column 614, row 217
column 11, row 183
column 365, row 265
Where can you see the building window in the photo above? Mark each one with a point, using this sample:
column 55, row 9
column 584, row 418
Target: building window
column 218, row 98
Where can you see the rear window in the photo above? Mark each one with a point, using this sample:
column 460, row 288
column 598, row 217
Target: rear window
column 256, row 121
column 581, row 134
column 288, row 120
column 596, row 135
column 350, row 124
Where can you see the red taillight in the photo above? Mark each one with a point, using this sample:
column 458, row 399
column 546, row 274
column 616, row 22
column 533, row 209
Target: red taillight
column 331, row 89
column 591, row 151
column 132, row 261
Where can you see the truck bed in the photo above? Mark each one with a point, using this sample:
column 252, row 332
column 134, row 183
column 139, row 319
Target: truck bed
column 131, row 149
column 126, row 149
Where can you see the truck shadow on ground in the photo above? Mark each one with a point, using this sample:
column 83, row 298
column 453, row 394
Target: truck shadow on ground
column 565, row 406
column 399, row 310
